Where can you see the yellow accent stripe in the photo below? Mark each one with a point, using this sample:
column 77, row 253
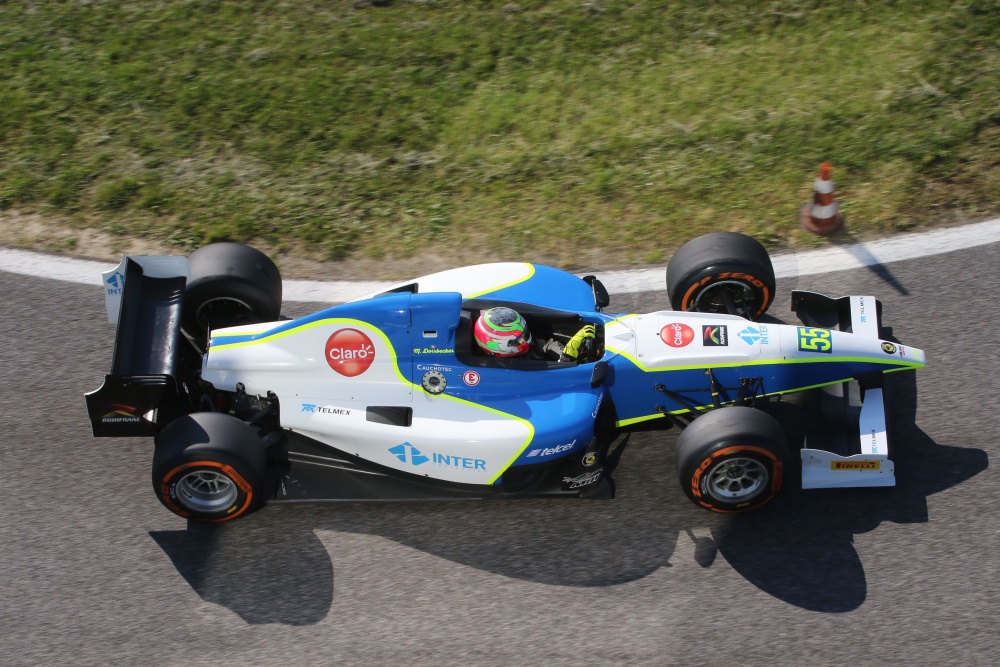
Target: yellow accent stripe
column 903, row 365
column 531, row 272
column 288, row 332
column 311, row 325
column 635, row 420
column 395, row 365
column 248, row 332
column 485, row 408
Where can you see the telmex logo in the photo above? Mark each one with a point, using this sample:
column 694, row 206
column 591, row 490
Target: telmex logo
column 855, row 465
column 677, row 334
column 350, row 352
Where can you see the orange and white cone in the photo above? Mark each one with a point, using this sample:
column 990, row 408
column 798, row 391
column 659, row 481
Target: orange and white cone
column 822, row 216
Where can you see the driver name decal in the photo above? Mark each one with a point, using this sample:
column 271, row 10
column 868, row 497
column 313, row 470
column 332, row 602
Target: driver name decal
column 677, row 334
column 350, row 352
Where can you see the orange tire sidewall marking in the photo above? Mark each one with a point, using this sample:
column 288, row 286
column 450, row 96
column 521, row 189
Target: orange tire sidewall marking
column 686, row 301
column 775, row 472
column 227, row 470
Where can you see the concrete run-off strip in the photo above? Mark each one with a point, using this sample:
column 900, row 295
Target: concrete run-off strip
column 838, row 256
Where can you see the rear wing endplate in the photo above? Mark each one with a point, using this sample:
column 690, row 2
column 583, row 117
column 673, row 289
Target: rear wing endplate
column 145, row 297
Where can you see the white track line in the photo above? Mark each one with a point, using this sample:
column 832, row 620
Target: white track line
column 786, row 265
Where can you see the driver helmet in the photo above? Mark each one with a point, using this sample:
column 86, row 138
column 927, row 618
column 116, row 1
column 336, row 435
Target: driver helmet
column 502, row 332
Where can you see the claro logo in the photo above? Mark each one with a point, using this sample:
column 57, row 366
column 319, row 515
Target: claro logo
column 677, row 334
column 349, row 352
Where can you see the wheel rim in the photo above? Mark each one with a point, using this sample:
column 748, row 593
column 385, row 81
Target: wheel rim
column 716, row 298
column 224, row 311
column 736, row 480
column 206, row 491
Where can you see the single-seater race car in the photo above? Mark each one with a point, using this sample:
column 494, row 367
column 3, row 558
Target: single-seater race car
column 389, row 398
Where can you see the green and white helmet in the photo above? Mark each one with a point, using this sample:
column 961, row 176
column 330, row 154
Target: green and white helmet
column 502, row 332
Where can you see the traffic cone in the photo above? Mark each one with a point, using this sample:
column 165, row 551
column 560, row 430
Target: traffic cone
column 822, row 216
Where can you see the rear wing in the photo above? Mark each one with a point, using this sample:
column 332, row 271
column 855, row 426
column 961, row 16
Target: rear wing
column 145, row 297
column 849, row 445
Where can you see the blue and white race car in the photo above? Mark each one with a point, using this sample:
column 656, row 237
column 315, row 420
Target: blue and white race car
column 389, row 398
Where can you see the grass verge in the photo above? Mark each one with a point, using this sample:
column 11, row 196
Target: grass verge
column 566, row 132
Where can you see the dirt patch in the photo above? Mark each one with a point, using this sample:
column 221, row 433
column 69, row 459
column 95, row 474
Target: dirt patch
column 31, row 231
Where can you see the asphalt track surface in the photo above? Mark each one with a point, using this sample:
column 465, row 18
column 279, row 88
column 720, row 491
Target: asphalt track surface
column 93, row 571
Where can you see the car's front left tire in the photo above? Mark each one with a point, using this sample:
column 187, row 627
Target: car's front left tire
column 722, row 272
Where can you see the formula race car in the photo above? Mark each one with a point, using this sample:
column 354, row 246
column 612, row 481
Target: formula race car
column 389, row 397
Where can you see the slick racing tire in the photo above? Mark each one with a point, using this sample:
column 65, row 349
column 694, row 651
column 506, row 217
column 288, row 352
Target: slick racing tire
column 732, row 459
column 209, row 466
column 714, row 271
column 230, row 284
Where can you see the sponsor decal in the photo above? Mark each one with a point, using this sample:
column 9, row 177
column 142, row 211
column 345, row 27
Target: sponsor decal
column 735, row 275
column 586, row 479
column 861, row 311
column 813, row 339
column 677, row 334
column 888, row 348
column 755, row 334
column 463, row 462
column 323, row 409
column 855, row 465
column 471, row 378
column 589, row 459
column 407, row 453
column 115, row 283
column 350, row 352
column 121, row 414
column 433, row 350
column 597, row 408
column 714, row 335
column 902, row 351
column 549, row 451
column 435, row 367
column 874, row 442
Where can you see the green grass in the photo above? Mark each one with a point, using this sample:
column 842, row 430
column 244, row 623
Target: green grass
column 495, row 130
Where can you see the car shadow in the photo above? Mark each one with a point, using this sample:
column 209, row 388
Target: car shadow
column 802, row 549
column 273, row 568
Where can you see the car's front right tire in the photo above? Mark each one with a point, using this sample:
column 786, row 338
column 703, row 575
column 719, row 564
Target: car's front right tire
column 209, row 466
column 732, row 459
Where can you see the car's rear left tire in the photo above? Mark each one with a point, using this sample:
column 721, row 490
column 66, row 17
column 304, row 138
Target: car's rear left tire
column 732, row 459
column 209, row 466
column 715, row 270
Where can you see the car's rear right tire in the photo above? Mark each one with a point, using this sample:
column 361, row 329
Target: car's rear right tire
column 209, row 466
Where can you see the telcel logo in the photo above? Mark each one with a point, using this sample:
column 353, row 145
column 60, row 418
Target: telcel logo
column 548, row 451
column 350, row 352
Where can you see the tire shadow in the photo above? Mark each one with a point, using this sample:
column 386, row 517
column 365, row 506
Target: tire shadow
column 255, row 567
column 802, row 550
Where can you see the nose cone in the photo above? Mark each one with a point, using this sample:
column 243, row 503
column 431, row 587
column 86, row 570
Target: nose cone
column 817, row 344
column 898, row 354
